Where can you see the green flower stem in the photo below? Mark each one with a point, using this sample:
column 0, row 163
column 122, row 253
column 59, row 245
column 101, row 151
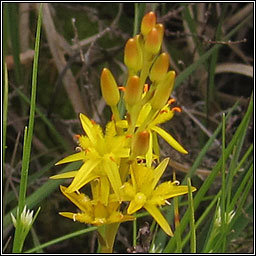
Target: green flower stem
column 108, row 233
column 28, row 134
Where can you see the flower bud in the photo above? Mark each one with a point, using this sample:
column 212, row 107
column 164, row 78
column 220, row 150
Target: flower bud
column 154, row 39
column 140, row 143
column 160, row 67
column 148, row 22
column 163, row 91
column 109, row 88
column 132, row 90
column 133, row 54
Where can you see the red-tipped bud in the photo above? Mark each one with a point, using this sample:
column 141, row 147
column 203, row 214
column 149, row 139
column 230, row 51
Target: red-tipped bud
column 109, row 88
column 133, row 91
column 154, row 39
column 160, row 67
column 148, row 22
column 133, row 54
column 140, row 143
column 163, row 91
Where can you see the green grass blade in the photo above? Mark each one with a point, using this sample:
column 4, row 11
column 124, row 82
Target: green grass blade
column 18, row 242
column 192, row 219
column 5, row 110
column 13, row 27
column 206, row 185
column 62, row 238
column 223, row 186
column 161, row 238
column 40, row 194
column 45, row 120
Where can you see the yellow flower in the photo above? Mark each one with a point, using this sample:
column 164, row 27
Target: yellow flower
column 101, row 155
column 142, row 191
column 93, row 211
column 152, row 126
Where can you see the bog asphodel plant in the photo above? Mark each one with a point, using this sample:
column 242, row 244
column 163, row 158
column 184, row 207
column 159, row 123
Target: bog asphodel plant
column 119, row 162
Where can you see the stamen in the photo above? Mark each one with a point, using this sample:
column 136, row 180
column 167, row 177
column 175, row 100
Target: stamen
column 121, row 88
column 128, row 136
column 167, row 202
column 176, row 182
column 111, row 158
column 74, row 217
column 178, row 109
column 93, row 122
column 170, row 101
column 145, row 88
column 163, row 111
column 78, row 149
column 77, row 136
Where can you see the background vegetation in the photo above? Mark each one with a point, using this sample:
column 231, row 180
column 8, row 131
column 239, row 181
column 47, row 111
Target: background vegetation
column 211, row 48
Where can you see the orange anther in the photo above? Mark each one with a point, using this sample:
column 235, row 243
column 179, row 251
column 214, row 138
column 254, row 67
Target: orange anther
column 128, row 136
column 77, row 136
column 111, row 158
column 178, row 109
column 170, row 101
column 93, row 122
column 146, row 87
column 121, row 88
column 163, row 111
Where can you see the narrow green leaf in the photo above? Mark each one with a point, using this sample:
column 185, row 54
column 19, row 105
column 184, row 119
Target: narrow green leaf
column 223, row 187
column 62, row 238
column 192, row 219
column 5, row 110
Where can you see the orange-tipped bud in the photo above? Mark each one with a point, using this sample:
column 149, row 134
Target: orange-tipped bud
column 154, row 39
column 163, row 91
column 133, row 54
column 160, row 67
column 148, row 22
column 140, row 143
column 160, row 28
column 109, row 88
column 133, row 91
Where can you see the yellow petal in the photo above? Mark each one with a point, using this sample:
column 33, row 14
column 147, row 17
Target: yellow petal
column 84, row 175
column 87, row 126
column 159, row 218
column 119, row 217
column 104, row 190
column 81, row 217
column 134, row 206
column 111, row 170
column 168, row 138
column 170, row 189
column 128, row 192
column 65, row 175
column 72, row 158
column 80, row 200
column 158, row 172
column 149, row 154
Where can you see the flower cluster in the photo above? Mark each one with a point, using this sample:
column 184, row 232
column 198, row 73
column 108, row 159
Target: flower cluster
column 122, row 163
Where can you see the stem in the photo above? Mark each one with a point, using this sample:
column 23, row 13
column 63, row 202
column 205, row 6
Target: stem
column 108, row 233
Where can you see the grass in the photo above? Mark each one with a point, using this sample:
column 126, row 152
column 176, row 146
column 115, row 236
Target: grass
column 212, row 219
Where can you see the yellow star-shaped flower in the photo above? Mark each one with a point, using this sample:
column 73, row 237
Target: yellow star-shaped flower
column 93, row 211
column 101, row 155
column 142, row 191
